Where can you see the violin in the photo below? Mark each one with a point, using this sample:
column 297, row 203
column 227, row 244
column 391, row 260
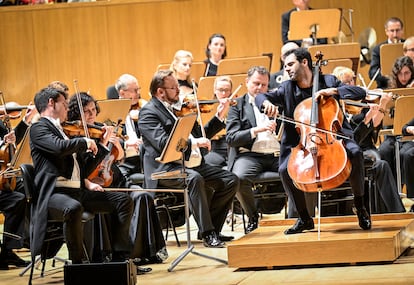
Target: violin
column 6, row 153
column 76, row 129
column 12, row 110
column 319, row 161
column 103, row 174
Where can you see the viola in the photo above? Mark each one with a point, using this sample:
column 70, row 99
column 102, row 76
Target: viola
column 76, row 129
column 319, row 161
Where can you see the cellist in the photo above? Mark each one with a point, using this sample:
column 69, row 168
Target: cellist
column 298, row 64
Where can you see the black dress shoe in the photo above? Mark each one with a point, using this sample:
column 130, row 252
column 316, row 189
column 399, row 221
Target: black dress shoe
column 212, row 240
column 225, row 238
column 143, row 270
column 364, row 219
column 300, row 226
column 253, row 224
column 10, row 258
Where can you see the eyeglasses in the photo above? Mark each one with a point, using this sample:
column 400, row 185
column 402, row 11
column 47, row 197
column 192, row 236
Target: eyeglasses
column 135, row 90
column 172, row 88
column 223, row 90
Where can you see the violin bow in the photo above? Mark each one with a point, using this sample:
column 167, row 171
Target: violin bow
column 203, row 131
column 82, row 114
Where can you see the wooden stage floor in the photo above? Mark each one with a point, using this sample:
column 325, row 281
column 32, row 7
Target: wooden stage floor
column 340, row 241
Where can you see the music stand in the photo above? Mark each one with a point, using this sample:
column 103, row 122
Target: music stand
column 174, row 150
column 317, row 23
column 113, row 109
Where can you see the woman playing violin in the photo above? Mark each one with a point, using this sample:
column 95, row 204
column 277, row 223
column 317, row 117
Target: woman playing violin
column 402, row 73
column 145, row 214
column 181, row 67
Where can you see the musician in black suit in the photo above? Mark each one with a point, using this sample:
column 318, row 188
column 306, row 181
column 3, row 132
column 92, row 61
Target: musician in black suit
column 60, row 165
column 13, row 201
column 211, row 189
column 394, row 31
column 253, row 144
column 298, row 64
column 300, row 5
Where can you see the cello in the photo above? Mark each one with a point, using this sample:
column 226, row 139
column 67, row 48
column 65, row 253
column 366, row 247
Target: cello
column 319, row 161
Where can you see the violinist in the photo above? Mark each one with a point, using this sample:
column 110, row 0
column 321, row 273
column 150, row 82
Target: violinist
column 402, row 73
column 61, row 164
column 366, row 125
column 128, row 87
column 13, row 202
column 144, row 210
column 402, row 77
column 223, row 87
column 407, row 161
column 253, row 144
column 211, row 189
column 298, row 64
column 408, row 47
column 181, row 67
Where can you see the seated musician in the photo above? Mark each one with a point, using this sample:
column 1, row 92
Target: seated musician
column 366, row 125
column 181, row 67
column 61, row 163
column 254, row 147
column 407, row 161
column 128, row 87
column 145, row 231
column 218, row 154
column 402, row 77
column 13, row 203
column 298, row 64
column 211, row 189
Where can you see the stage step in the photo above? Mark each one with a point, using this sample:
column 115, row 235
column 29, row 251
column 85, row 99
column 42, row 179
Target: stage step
column 341, row 241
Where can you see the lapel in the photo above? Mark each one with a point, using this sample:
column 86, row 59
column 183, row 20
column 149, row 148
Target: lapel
column 248, row 111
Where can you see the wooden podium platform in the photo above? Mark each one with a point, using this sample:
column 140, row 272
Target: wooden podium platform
column 341, row 241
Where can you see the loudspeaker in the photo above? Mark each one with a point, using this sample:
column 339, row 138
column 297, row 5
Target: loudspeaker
column 110, row 273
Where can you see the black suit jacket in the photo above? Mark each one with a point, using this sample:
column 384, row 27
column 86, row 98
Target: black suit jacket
column 240, row 120
column 155, row 124
column 52, row 157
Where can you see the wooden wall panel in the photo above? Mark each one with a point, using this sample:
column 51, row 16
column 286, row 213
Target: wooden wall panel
column 96, row 42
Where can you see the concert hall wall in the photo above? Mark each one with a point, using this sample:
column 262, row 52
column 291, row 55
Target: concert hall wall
column 96, row 42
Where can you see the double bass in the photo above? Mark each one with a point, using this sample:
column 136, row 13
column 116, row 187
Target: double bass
column 319, row 161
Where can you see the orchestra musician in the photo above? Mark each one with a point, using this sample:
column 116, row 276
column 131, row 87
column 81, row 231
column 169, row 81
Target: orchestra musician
column 402, row 73
column 13, row 201
column 128, row 87
column 408, row 47
column 61, row 164
column 366, row 125
column 394, row 29
column 181, row 67
column 216, row 50
column 145, row 231
column 298, row 64
column 403, row 77
column 254, row 147
column 211, row 189
column 407, row 162
column 217, row 156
